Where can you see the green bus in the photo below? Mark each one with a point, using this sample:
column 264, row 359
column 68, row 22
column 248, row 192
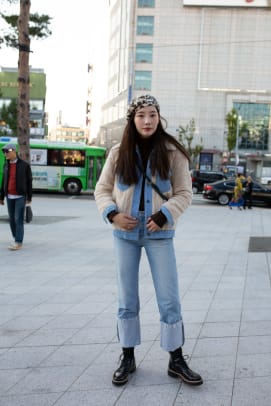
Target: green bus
column 58, row 166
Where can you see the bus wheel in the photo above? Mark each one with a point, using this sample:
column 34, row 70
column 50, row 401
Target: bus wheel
column 72, row 186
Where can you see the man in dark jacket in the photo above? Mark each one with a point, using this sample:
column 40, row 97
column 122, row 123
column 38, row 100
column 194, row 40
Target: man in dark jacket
column 17, row 188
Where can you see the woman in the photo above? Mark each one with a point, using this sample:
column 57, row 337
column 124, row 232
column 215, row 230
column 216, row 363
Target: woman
column 143, row 216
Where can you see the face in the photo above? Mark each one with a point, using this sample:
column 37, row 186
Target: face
column 146, row 121
column 10, row 154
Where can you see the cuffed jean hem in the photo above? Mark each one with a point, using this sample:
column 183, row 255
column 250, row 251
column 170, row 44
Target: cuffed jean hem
column 129, row 332
column 172, row 336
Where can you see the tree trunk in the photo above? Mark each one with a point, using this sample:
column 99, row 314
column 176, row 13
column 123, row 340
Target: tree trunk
column 23, row 81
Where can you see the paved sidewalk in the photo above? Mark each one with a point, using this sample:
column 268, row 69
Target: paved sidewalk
column 58, row 342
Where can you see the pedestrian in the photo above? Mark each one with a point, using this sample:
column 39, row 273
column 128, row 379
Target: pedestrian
column 237, row 199
column 248, row 193
column 144, row 187
column 17, row 188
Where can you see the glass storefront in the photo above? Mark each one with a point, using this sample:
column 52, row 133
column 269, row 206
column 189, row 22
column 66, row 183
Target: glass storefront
column 254, row 125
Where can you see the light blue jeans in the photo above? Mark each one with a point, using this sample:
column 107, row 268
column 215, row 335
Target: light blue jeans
column 161, row 257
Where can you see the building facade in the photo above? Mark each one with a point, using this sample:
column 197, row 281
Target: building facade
column 9, row 91
column 64, row 133
column 200, row 59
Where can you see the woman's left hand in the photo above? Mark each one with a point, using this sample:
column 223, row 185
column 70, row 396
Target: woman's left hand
column 151, row 225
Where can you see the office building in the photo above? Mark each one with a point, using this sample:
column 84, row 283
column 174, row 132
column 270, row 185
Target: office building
column 200, row 59
column 9, row 91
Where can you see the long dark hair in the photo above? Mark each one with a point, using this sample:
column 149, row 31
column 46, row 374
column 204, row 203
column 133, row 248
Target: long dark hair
column 159, row 158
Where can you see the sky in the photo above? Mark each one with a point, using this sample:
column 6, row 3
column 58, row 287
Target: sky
column 79, row 32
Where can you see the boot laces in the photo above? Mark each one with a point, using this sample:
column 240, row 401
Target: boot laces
column 182, row 359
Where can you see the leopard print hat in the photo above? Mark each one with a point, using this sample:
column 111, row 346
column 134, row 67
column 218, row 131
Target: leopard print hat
column 141, row 101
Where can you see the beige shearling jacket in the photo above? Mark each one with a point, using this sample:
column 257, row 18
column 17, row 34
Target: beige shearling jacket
column 111, row 194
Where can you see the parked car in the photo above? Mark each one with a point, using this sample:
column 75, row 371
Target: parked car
column 222, row 192
column 199, row 178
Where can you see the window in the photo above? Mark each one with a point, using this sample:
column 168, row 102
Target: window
column 35, row 104
column 57, row 157
column 146, row 3
column 144, row 53
column 145, row 25
column 253, row 125
column 143, row 80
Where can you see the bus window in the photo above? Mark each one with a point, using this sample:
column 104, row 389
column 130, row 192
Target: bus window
column 53, row 157
column 99, row 167
column 91, row 173
column 73, row 158
column 95, row 169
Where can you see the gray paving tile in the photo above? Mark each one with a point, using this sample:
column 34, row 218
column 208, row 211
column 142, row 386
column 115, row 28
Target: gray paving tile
column 49, row 309
column 102, row 397
column 73, row 355
column 215, row 346
column 26, row 322
column 194, row 316
column 256, row 314
column 253, row 328
column 9, row 338
column 223, row 315
column 257, row 303
column 24, row 357
column 47, row 399
column 89, row 335
column 152, row 372
column 46, row 337
column 227, row 329
column 192, row 330
column 211, row 393
column 255, row 344
column 49, row 380
column 8, row 378
column 195, row 304
column 251, row 392
column 252, row 365
column 226, row 303
column 74, row 321
column 95, row 377
column 153, row 395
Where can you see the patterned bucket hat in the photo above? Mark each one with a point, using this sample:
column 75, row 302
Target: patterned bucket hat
column 141, row 101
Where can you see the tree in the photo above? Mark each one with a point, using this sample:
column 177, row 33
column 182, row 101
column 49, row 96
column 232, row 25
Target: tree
column 231, row 120
column 186, row 136
column 21, row 29
column 8, row 115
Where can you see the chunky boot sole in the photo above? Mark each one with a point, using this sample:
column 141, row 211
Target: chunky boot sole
column 174, row 374
column 123, row 381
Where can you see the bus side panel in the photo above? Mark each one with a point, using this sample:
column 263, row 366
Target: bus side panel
column 74, row 173
column 46, row 177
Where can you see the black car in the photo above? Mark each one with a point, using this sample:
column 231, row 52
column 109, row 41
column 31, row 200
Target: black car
column 222, row 192
column 199, row 178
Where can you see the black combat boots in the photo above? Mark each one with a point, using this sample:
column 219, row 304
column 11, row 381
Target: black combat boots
column 127, row 366
column 178, row 368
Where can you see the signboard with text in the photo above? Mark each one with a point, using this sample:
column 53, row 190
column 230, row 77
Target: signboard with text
column 228, row 3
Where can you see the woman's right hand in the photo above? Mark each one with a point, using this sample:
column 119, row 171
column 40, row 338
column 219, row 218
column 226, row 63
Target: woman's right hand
column 125, row 222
